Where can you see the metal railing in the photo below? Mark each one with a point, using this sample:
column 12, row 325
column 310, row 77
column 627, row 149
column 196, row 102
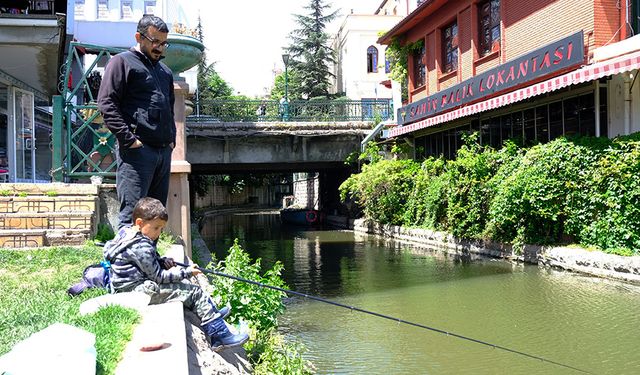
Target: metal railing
column 82, row 145
column 240, row 110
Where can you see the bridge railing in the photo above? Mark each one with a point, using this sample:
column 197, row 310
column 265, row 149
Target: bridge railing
column 240, row 110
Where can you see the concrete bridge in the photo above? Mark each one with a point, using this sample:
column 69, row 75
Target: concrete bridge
column 227, row 147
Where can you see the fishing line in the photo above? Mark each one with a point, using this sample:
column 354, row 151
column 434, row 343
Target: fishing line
column 353, row 308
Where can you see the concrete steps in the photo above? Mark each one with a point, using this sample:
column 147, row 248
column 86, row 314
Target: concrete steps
column 36, row 203
column 42, row 237
column 33, row 215
column 47, row 220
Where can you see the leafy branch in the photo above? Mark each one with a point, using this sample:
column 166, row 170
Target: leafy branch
column 398, row 56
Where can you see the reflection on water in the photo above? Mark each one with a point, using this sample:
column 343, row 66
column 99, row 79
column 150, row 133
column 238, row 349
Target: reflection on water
column 584, row 322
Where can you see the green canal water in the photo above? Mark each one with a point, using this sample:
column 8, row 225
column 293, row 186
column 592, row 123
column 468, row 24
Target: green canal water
column 583, row 322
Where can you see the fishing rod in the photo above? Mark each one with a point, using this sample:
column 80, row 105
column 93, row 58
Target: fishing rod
column 398, row 320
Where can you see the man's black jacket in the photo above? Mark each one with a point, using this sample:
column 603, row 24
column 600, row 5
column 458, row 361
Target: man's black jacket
column 136, row 100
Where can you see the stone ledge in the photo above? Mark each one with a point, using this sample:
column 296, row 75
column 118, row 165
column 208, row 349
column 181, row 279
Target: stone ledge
column 180, row 166
column 57, row 188
column 568, row 258
column 593, row 262
column 161, row 324
column 201, row 359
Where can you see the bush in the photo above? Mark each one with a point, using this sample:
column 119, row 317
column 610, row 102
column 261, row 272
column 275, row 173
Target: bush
column 382, row 189
column 427, row 202
column 533, row 203
column 609, row 213
column 580, row 189
column 468, row 192
column 256, row 305
column 274, row 355
column 104, row 233
column 268, row 351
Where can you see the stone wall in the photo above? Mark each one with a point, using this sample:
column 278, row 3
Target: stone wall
column 574, row 259
column 306, row 190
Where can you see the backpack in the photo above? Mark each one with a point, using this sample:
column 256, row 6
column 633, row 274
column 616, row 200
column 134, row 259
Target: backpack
column 99, row 275
column 94, row 276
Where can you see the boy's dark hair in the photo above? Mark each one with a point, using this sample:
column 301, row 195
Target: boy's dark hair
column 149, row 209
column 148, row 20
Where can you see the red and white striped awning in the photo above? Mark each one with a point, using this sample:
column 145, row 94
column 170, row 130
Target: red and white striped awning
column 587, row 73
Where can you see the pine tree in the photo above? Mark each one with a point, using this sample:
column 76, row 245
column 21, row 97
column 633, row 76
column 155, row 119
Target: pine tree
column 310, row 53
column 202, row 65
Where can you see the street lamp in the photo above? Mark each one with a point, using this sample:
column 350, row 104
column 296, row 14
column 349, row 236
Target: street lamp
column 285, row 59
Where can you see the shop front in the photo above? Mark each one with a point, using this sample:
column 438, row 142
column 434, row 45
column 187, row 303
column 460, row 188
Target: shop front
column 588, row 99
column 25, row 133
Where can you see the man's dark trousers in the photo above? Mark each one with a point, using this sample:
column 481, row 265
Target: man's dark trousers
column 142, row 172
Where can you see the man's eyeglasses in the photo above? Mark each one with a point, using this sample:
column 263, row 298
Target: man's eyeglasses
column 156, row 42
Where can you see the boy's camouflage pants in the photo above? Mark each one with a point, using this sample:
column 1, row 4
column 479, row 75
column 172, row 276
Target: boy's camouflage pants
column 191, row 296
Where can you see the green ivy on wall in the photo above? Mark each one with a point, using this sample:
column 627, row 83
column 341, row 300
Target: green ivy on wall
column 398, row 56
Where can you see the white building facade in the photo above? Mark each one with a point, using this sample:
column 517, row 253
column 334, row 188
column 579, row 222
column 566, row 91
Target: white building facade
column 112, row 23
column 361, row 67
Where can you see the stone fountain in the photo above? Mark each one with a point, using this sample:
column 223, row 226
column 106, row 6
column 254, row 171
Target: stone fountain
column 184, row 52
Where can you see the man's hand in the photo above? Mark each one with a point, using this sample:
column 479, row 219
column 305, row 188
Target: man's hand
column 172, row 145
column 136, row 144
column 167, row 263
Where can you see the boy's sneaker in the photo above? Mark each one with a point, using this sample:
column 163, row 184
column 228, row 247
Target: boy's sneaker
column 221, row 337
column 229, row 340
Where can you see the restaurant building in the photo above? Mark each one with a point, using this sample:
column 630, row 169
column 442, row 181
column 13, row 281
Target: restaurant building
column 509, row 69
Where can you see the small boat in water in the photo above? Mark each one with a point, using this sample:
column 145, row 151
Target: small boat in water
column 301, row 216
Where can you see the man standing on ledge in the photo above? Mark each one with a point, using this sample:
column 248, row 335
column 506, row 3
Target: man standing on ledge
column 136, row 100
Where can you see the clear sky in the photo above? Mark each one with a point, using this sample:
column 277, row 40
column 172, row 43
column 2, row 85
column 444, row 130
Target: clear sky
column 245, row 38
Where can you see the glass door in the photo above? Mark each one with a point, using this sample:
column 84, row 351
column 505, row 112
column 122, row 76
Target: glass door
column 23, row 137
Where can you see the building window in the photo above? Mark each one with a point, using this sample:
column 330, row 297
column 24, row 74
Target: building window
column 489, row 22
column 419, row 71
column 149, row 7
column 103, row 9
column 79, row 9
column 126, row 9
column 387, row 65
column 372, row 59
column 450, row 48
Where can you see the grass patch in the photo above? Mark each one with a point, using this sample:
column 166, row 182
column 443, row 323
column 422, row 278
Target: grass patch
column 33, row 285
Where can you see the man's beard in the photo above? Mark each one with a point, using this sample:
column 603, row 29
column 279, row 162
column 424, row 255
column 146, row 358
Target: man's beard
column 152, row 58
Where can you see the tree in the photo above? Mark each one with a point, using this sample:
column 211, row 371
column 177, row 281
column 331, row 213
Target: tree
column 213, row 86
column 310, row 54
column 293, row 86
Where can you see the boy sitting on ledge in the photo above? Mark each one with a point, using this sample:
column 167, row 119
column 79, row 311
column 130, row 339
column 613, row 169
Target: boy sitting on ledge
column 137, row 266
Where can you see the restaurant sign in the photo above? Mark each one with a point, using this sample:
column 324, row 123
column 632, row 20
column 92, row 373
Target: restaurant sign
column 554, row 57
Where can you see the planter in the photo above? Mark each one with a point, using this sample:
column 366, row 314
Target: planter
column 184, row 52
